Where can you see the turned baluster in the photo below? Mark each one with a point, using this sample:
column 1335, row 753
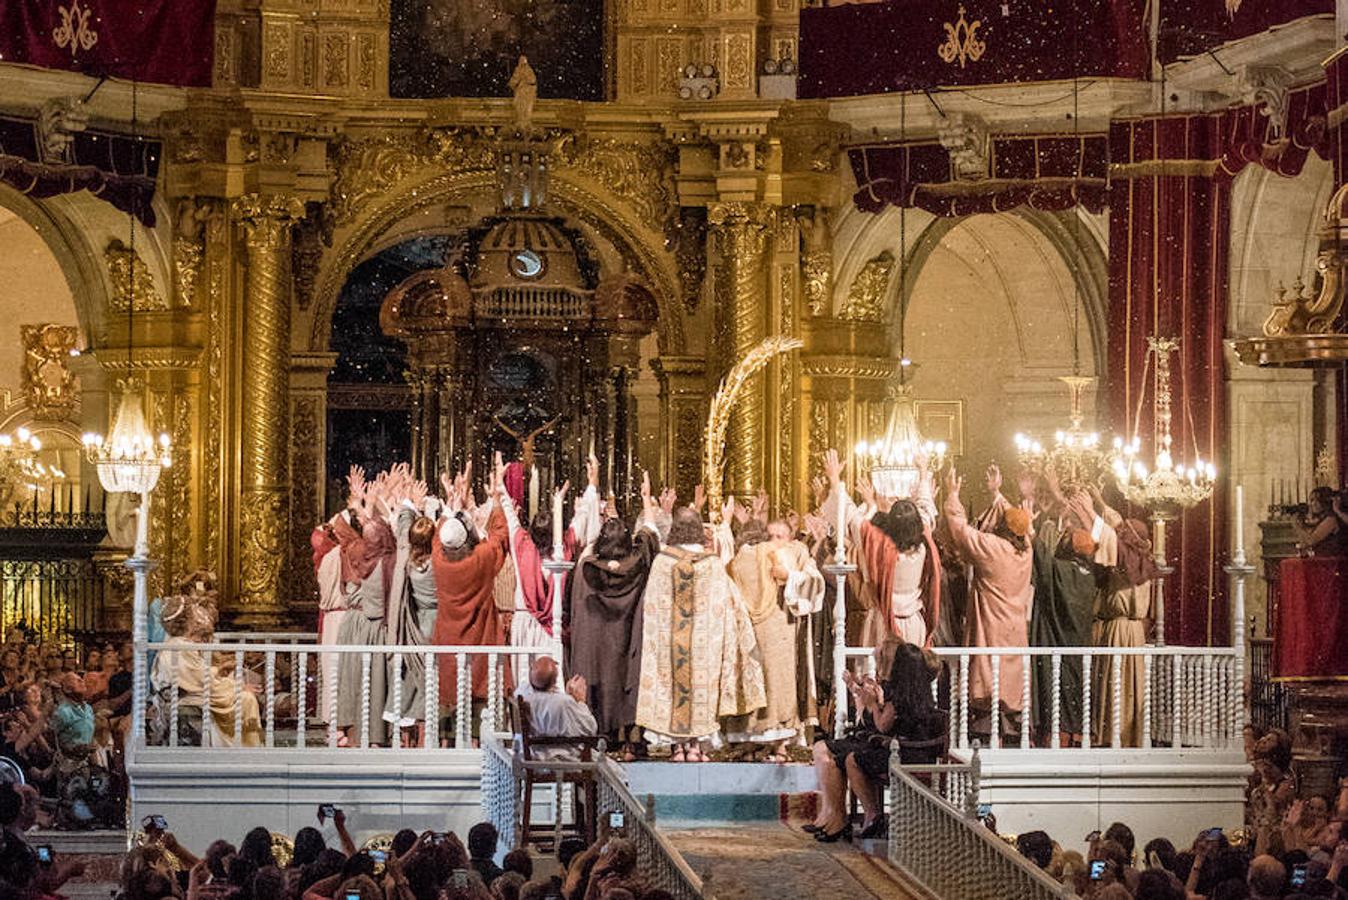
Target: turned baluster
column 1209, row 696
column 174, row 700
column 366, row 664
column 331, row 695
column 494, row 691
column 1025, row 702
column 1055, row 706
column 269, row 673
column 964, row 700
column 1177, row 676
column 238, row 697
column 463, row 726
column 432, row 729
column 301, row 681
column 396, row 738
column 995, row 738
column 1116, row 704
column 1146, row 701
column 1085, row 701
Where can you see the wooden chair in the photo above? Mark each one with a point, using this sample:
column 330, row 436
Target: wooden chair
column 534, row 770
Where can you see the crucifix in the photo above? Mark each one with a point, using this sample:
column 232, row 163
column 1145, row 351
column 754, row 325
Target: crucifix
column 526, row 442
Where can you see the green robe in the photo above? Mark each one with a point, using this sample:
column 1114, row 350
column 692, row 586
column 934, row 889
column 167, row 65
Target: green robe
column 1064, row 602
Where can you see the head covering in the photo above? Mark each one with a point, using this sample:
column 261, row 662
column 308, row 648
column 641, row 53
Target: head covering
column 363, row 550
column 1017, row 521
column 1083, row 544
column 514, row 483
column 452, row 533
column 1136, row 564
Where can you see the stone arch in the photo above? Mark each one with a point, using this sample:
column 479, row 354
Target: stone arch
column 567, row 196
column 80, row 262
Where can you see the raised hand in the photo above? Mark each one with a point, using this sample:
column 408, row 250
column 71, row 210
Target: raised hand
column 646, row 489
column 816, row 526
column 953, row 482
column 833, row 466
column 760, row 505
column 561, row 491
column 416, row 493
column 699, row 497
column 741, row 513
column 819, row 490
column 728, row 508
column 667, row 500
column 447, row 486
column 994, row 479
column 866, row 489
column 592, row 471
column 355, row 480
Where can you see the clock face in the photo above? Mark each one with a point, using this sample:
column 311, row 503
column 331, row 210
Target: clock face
column 526, row 264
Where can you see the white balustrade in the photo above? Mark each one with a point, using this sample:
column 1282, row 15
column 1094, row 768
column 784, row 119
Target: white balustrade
column 1204, row 708
column 255, row 668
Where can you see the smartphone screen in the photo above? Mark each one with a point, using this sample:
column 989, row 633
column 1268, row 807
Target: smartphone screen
column 984, row 810
column 616, row 820
column 1298, row 875
column 327, row 811
column 1097, row 869
column 44, row 855
column 1213, row 834
column 379, row 856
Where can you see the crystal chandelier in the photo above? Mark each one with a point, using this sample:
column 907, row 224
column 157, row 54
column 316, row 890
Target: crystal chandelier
column 20, row 466
column 130, row 459
column 894, row 462
column 1075, row 457
column 1166, row 488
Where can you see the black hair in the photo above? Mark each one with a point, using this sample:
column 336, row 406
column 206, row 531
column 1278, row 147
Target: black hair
column 569, row 849
column 909, row 689
column 308, row 844
column 1123, row 835
column 403, row 841
column 1156, row 884
column 614, row 541
column 11, row 804
column 1163, row 850
column 1036, row 846
column 358, row 864
column 482, row 839
column 256, row 848
column 902, row 525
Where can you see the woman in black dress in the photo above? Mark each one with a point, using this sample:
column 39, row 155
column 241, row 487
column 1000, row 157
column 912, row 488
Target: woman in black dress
column 901, row 707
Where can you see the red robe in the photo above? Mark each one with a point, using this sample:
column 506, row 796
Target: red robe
column 467, row 607
column 881, row 555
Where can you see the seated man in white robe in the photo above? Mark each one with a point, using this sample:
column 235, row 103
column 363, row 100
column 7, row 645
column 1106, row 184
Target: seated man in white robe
column 556, row 713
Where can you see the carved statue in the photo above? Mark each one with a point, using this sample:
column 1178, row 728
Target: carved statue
column 524, row 85
column 527, row 440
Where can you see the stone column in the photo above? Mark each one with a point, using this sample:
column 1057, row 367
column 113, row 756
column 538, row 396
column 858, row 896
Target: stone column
column 739, row 233
column 264, row 500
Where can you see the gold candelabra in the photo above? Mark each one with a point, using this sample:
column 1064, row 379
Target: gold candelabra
column 1166, row 488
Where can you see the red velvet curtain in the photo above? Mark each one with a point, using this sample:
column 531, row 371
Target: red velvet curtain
column 1169, row 241
column 1168, row 247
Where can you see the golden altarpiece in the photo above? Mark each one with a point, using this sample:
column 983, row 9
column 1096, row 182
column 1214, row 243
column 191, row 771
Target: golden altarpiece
column 671, row 236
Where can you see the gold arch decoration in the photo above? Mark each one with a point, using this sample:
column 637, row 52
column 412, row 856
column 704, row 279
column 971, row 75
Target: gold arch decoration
column 723, row 404
column 612, row 216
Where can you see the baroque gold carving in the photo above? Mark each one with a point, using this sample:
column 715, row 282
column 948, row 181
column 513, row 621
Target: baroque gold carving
column 277, row 55
column 262, row 534
column 335, row 60
column 217, row 237
column 1303, row 313
column 740, row 232
column 130, row 278
column 267, row 222
column 306, row 440
column 186, row 268
column 49, row 386
column 866, row 297
column 365, row 61
column 366, row 169
column 639, row 173
column 171, row 503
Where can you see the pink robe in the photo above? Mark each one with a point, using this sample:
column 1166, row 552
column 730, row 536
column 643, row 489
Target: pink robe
column 998, row 604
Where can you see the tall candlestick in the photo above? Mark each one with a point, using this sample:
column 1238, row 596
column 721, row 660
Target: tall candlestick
column 1240, row 521
column 841, row 532
column 557, row 522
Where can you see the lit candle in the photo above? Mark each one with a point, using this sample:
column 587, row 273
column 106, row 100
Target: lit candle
column 1240, row 518
column 557, row 521
column 841, row 550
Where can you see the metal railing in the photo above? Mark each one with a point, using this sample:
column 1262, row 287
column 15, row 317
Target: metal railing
column 658, row 861
column 285, row 671
column 942, row 846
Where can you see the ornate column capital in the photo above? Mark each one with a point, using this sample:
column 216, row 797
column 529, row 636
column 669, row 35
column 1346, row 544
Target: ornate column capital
column 267, row 219
column 739, row 213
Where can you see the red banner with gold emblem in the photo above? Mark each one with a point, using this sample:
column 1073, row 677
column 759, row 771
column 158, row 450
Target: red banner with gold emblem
column 165, row 41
